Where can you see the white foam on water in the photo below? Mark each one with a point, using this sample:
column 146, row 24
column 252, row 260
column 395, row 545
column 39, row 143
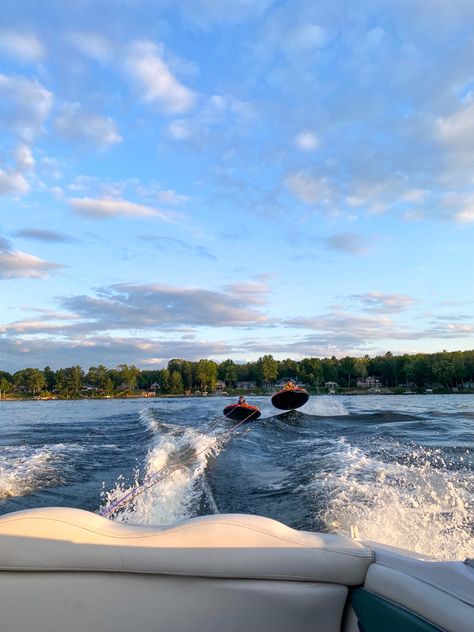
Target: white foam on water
column 420, row 506
column 324, row 406
column 319, row 405
column 178, row 457
column 24, row 469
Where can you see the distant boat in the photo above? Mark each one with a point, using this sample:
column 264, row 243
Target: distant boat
column 242, row 412
column 290, row 398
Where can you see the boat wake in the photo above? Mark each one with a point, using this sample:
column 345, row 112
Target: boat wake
column 418, row 504
column 24, row 469
column 173, row 477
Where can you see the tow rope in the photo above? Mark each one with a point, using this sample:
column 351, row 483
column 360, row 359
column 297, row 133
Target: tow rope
column 154, row 478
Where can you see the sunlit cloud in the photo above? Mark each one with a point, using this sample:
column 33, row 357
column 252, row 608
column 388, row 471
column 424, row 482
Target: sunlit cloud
column 146, row 68
column 12, row 183
column 21, row 265
column 350, row 243
column 92, row 45
column 25, row 106
column 308, row 189
column 24, row 46
column 382, row 302
column 307, row 141
column 162, row 306
column 45, row 235
column 107, row 208
column 177, row 246
column 74, row 124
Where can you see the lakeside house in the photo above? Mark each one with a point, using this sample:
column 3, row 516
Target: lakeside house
column 246, row 385
column 280, row 383
column 369, row 382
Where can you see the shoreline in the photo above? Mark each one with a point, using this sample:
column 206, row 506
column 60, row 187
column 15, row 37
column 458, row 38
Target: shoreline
column 180, row 396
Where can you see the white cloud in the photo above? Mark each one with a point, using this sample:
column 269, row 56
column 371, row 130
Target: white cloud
column 204, row 11
column 305, row 37
column 13, row 183
column 45, row 235
column 17, row 264
column 24, row 106
column 180, row 130
column 23, row 158
column 457, row 130
column 351, row 243
column 381, row 302
column 75, row 124
column 146, row 68
column 106, row 208
column 307, row 141
column 92, row 45
column 169, row 196
column 466, row 215
column 22, row 45
column 161, row 307
column 459, row 206
column 308, row 189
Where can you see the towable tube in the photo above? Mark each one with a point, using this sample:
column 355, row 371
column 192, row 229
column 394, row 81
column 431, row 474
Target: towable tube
column 241, row 412
column 290, row 398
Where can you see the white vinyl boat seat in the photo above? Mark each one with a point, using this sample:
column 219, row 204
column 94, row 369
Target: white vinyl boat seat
column 440, row 593
column 70, row 570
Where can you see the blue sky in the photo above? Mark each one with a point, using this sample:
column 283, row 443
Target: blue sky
column 213, row 178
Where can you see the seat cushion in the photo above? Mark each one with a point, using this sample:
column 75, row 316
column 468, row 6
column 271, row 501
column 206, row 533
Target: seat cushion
column 225, row 545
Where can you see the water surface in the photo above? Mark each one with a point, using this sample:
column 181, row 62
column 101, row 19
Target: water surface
column 400, row 468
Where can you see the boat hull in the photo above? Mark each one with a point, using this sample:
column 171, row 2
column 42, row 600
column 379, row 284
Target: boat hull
column 290, row 399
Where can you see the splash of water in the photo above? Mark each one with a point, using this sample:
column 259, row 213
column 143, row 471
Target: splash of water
column 24, row 469
column 179, row 456
column 418, row 505
column 325, row 406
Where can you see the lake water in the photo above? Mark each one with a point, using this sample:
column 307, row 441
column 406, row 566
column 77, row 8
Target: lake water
column 400, row 468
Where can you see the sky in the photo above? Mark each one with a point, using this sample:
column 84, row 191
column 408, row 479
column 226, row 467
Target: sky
column 231, row 178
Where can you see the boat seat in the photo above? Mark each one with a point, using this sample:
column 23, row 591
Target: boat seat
column 68, row 569
column 441, row 593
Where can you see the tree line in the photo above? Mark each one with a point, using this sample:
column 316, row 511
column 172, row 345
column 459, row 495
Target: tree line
column 445, row 370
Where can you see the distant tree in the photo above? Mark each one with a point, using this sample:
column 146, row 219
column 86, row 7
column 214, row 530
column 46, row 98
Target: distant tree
column 176, row 383
column 268, row 369
column 165, row 381
column 5, row 386
column 348, row 369
column 50, row 377
column 99, row 377
column 310, row 371
column 206, row 375
column 330, row 369
column 227, row 372
column 75, row 376
column 69, row 381
column 288, row 368
column 444, row 371
column 31, row 380
column 361, row 367
column 129, row 375
column 185, row 369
